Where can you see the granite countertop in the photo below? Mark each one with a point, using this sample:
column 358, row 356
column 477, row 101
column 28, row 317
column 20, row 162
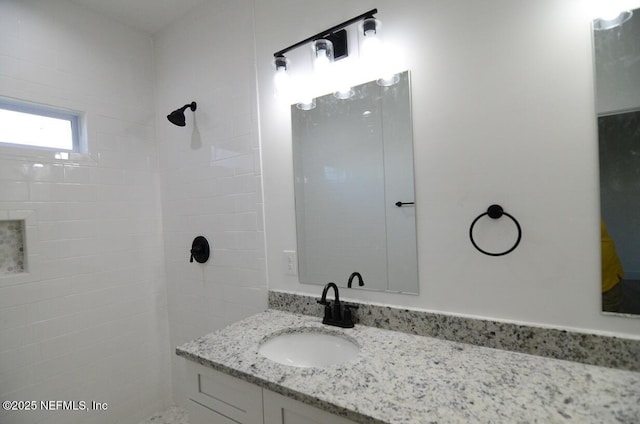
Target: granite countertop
column 403, row 378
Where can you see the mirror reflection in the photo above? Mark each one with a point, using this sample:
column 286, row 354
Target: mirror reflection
column 617, row 71
column 353, row 161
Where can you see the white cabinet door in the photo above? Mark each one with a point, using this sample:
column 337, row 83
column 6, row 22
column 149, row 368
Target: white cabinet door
column 280, row 409
column 199, row 414
column 217, row 398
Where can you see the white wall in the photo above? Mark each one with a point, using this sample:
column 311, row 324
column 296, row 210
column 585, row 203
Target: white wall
column 211, row 183
column 503, row 107
column 89, row 320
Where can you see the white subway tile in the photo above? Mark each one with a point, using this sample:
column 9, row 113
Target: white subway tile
column 20, row 357
column 41, row 192
column 16, row 379
column 13, row 317
column 46, row 172
column 77, row 174
column 14, row 191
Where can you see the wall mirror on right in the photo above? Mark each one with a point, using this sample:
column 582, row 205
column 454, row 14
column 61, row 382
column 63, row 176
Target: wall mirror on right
column 616, row 43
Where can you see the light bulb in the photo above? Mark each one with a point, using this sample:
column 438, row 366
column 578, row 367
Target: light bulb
column 611, row 15
column 282, row 82
column 281, row 79
column 322, row 60
column 371, row 45
column 322, row 54
column 610, row 12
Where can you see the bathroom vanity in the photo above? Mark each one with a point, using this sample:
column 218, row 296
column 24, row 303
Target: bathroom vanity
column 395, row 378
column 215, row 397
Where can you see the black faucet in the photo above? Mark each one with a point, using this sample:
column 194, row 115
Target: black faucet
column 335, row 313
column 354, row 275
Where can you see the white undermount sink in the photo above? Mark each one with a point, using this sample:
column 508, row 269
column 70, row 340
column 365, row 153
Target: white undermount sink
column 306, row 348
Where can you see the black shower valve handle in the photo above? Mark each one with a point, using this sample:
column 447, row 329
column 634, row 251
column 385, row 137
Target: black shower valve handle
column 199, row 250
column 195, row 251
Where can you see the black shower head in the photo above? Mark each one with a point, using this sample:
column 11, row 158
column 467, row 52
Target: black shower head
column 177, row 116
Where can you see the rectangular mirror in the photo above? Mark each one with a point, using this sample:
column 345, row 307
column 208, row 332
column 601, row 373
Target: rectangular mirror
column 353, row 163
column 616, row 44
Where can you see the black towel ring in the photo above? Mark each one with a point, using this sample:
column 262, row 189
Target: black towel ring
column 495, row 212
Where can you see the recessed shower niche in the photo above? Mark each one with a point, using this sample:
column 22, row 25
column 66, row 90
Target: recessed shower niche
column 12, row 247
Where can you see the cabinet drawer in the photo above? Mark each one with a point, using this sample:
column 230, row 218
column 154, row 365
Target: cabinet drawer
column 231, row 398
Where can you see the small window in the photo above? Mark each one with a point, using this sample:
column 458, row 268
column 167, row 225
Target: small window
column 38, row 126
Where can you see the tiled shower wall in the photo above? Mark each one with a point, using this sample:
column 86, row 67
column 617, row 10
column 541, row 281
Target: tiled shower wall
column 211, row 178
column 88, row 321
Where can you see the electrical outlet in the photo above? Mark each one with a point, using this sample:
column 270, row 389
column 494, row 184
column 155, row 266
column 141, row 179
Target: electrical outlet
column 289, row 262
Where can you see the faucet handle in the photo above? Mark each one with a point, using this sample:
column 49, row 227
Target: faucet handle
column 328, row 315
column 347, row 317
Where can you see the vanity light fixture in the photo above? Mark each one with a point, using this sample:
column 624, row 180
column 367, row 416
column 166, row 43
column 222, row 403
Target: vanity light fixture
column 371, row 43
column 337, row 35
column 322, row 54
column 372, row 49
column 327, row 46
column 282, row 80
column 177, row 116
column 370, row 26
